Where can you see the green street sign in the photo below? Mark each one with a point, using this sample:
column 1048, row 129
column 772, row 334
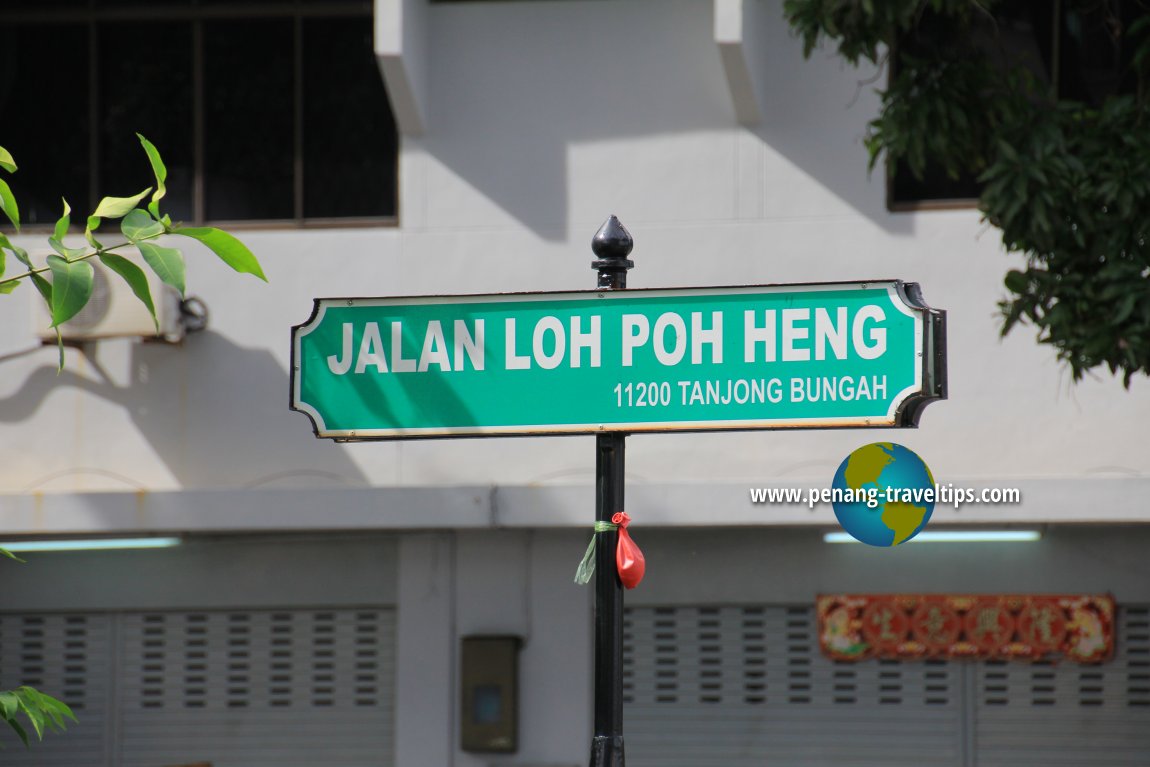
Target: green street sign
column 767, row 357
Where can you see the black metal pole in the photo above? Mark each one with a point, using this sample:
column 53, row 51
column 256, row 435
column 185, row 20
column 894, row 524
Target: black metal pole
column 612, row 244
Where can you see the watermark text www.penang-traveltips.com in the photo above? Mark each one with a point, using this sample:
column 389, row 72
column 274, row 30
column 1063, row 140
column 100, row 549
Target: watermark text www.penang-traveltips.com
column 874, row 497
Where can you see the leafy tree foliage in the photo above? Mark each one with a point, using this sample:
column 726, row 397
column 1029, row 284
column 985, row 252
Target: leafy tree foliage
column 1067, row 183
column 41, row 712
column 65, row 282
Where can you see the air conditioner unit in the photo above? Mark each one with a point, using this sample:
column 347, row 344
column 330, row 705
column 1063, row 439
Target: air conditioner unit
column 113, row 311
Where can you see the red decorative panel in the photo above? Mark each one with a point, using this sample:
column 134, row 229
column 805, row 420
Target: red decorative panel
column 1076, row 627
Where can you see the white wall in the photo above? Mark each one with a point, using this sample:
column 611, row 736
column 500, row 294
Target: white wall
column 499, row 583
column 542, row 119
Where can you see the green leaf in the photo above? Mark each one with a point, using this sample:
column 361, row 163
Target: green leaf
column 33, row 714
column 19, row 252
column 58, row 707
column 1007, row 150
column 44, row 287
column 31, row 696
column 1016, row 281
column 1126, row 308
column 6, row 161
column 230, row 250
column 5, row 287
column 20, row 731
column 63, row 222
column 167, row 263
column 10, row 555
column 52, row 719
column 161, row 173
column 57, row 239
column 63, row 250
column 8, row 204
column 66, row 710
column 9, row 704
column 59, row 352
column 114, row 207
column 138, row 225
column 92, row 225
column 136, row 279
column 46, row 291
column 71, row 288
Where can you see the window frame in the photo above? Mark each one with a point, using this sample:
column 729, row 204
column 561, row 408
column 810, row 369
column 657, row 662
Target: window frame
column 197, row 15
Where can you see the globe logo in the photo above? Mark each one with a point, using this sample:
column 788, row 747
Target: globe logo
column 883, row 494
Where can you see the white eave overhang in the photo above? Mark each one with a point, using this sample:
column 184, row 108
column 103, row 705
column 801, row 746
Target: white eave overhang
column 739, row 26
column 401, row 50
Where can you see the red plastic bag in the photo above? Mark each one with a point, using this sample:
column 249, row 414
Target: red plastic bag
column 628, row 559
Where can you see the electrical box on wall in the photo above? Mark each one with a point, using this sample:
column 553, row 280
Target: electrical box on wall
column 489, row 675
column 113, row 311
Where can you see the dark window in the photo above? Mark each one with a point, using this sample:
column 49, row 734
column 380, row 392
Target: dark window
column 45, row 116
column 144, row 85
column 273, row 110
column 339, row 180
column 1079, row 51
column 248, row 94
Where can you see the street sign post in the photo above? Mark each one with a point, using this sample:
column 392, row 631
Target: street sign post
column 612, row 362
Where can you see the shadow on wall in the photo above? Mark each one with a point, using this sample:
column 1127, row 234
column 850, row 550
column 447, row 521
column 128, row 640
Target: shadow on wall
column 642, row 68
column 814, row 115
column 215, row 413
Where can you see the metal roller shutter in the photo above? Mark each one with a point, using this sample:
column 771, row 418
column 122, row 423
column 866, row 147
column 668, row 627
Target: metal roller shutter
column 70, row 656
column 235, row 688
column 746, row 686
column 1044, row 715
column 741, row 686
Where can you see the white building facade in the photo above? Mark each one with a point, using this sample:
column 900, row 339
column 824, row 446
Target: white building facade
column 314, row 611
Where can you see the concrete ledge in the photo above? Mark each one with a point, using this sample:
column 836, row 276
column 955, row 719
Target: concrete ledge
column 207, row 511
column 1044, row 501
